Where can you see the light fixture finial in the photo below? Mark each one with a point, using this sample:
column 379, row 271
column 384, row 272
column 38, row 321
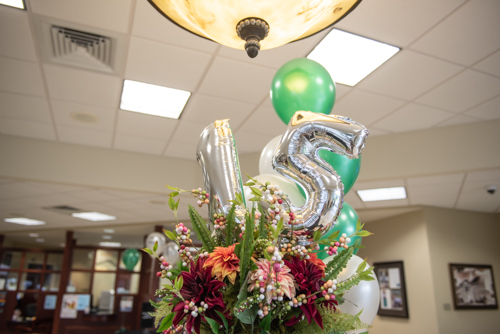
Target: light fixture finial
column 252, row 30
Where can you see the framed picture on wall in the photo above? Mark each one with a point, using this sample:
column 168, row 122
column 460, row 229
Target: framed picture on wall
column 473, row 286
column 391, row 278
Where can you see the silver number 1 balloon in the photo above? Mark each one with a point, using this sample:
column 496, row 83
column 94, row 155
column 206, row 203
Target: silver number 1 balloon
column 218, row 158
column 297, row 158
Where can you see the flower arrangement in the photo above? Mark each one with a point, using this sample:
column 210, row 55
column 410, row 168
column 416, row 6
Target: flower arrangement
column 250, row 275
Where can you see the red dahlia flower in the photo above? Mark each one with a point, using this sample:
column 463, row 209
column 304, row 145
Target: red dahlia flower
column 199, row 287
column 308, row 281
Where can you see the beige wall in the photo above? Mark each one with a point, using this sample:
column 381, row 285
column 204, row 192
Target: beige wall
column 462, row 237
column 404, row 238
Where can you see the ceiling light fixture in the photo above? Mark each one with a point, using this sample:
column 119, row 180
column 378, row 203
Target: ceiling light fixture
column 13, row 3
column 109, row 244
column 34, row 235
column 40, row 240
column 382, row 194
column 254, row 25
column 349, row 58
column 109, row 230
column 153, row 100
column 24, row 221
column 107, row 237
column 93, row 216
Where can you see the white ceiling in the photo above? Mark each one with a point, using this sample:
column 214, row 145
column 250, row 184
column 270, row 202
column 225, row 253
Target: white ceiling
column 448, row 73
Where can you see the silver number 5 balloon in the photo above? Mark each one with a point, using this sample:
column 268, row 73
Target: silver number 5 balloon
column 297, row 158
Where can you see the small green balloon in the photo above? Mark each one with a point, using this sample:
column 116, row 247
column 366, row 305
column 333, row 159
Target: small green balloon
column 346, row 223
column 130, row 258
column 347, row 169
column 302, row 84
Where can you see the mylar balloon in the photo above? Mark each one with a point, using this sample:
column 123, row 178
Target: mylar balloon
column 130, row 258
column 347, row 169
column 302, row 84
column 288, row 187
column 346, row 223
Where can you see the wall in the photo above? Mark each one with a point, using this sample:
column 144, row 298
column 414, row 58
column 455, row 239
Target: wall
column 462, row 237
column 404, row 238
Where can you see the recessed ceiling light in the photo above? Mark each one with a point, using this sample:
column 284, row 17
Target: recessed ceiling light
column 34, row 235
column 39, row 240
column 153, row 100
column 93, row 216
column 109, row 244
column 107, row 237
column 24, row 221
column 109, row 230
column 13, row 3
column 349, row 58
column 382, row 194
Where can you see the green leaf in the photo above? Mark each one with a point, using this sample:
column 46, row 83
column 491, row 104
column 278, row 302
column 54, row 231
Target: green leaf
column 339, row 262
column 248, row 316
column 361, row 267
column 155, row 305
column 224, row 320
column 262, row 224
column 173, row 193
column 155, row 246
column 256, row 191
column 266, row 322
column 249, row 184
column 317, row 235
column 169, row 234
column 239, row 198
column 255, row 199
column 172, row 188
column 230, row 224
column 363, row 233
column 166, row 323
column 171, row 203
column 213, row 324
column 278, row 229
column 147, row 250
column 177, row 205
column 334, row 236
column 200, row 227
column 358, row 225
column 179, row 282
column 246, row 247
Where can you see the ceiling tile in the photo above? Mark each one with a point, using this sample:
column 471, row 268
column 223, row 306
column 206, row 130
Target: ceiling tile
column 18, row 127
column 341, row 91
column 466, row 36
column 138, row 124
column 361, row 185
column 207, row 109
column 238, row 80
column 247, row 142
column 69, row 134
column 437, row 190
column 463, row 91
column 94, row 195
column 56, row 187
column 165, row 65
column 25, row 107
column 63, row 112
column 353, row 199
column 412, row 117
column 276, row 57
column 435, row 180
column 490, row 65
column 377, row 132
column 125, row 205
column 139, row 144
column 149, row 23
column 21, row 189
column 181, row 150
column 83, row 87
column 474, row 196
column 188, row 132
column 459, row 119
column 397, row 22
column 265, row 121
column 366, row 108
column 488, row 110
column 19, row 76
column 126, row 194
column 15, row 35
column 408, row 75
column 110, row 14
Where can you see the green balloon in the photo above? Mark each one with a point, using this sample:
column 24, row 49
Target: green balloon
column 346, row 223
column 347, row 169
column 302, row 84
column 130, row 258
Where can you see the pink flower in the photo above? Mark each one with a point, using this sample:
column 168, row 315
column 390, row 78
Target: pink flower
column 267, row 275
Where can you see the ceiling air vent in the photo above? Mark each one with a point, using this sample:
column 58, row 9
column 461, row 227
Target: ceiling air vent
column 64, row 209
column 72, row 44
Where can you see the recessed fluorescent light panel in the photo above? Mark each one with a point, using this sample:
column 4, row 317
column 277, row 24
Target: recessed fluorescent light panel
column 13, row 3
column 109, row 230
column 153, row 100
column 107, row 237
column 24, row 221
column 93, row 216
column 34, row 235
column 39, row 240
column 109, row 244
column 382, row 194
column 349, row 58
